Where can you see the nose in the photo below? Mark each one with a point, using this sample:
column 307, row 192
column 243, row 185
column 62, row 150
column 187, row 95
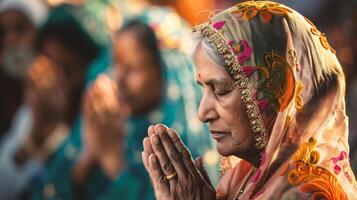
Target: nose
column 10, row 38
column 206, row 111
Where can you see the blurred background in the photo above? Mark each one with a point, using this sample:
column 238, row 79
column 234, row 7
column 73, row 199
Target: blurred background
column 80, row 81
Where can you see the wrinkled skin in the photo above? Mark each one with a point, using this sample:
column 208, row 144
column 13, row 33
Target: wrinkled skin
column 164, row 154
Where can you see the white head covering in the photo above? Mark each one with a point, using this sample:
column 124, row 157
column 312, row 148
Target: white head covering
column 35, row 10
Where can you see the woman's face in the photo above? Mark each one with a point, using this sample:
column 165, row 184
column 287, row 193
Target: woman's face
column 73, row 67
column 137, row 74
column 16, row 29
column 17, row 39
column 221, row 106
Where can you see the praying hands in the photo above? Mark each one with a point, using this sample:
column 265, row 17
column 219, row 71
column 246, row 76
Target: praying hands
column 173, row 172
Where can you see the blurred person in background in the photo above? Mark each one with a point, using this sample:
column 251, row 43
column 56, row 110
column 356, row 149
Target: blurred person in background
column 19, row 21
column 19, row 24
column 54, row 87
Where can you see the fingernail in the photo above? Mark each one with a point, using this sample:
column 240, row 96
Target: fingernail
column 155, row 139
column 150, row 127
column 159, row 129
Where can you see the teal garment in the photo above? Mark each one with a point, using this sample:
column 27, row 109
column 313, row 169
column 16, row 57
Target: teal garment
column 132, row 183
column 100, row 65
column 54, row 180
column 77, row 18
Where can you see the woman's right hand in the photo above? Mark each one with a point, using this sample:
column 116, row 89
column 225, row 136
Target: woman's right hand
column 173, row 172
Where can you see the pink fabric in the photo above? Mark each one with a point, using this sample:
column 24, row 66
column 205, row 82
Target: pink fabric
column 247, row 52
column 249, row 70
column 219, row 25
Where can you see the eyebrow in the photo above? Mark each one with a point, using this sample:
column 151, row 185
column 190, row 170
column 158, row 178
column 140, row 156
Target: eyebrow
column 213, row 82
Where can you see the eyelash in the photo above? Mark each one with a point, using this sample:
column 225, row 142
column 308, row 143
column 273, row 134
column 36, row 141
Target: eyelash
column 222, row 92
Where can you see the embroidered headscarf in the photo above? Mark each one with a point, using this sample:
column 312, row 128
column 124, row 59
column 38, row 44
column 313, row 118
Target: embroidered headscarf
column 288, row 74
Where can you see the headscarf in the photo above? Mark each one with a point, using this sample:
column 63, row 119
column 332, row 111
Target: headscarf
column 35, row 10
column 82, row 21
column 288, row 75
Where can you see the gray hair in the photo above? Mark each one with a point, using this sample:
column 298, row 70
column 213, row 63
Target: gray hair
column 197, row 39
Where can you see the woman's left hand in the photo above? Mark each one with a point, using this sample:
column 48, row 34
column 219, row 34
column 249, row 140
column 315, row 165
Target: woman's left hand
column 173, row 172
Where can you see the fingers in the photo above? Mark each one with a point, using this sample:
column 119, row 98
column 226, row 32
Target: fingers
column 89, row 109
column 158, row 179
column 43, row 73
column 182, row 149
column 145, row 157
column 147, row 144
column 202, row 170
column 147, row 148
column 101, row 102
column 175, row 154
column 165, row 162
column 151, row 131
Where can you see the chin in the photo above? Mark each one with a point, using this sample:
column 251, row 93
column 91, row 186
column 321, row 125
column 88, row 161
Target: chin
column 223, row 149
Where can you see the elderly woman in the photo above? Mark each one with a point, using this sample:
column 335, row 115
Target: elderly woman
column 274, row 97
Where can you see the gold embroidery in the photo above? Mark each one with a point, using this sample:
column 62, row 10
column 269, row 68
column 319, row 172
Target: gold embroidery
column 288, row 121
column 279, row 86
column 299, row 102
column 293, row 54
column 227, row 163
column 266, row 9
column 322, row 36
column 313, row 179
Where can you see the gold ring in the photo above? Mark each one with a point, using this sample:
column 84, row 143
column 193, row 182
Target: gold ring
column 171, row 176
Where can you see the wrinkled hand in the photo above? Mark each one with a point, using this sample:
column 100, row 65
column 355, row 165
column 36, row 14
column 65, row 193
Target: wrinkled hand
column 103, row 116
column 173, row 172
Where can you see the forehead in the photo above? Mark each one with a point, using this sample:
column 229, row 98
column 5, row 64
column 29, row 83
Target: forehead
column 206, row 68
column 128, row 41
column 11, row 16
column 128, row 47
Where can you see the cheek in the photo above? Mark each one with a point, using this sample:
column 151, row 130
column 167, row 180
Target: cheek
column 29, row 38
column 230, row 108
column 233, row 113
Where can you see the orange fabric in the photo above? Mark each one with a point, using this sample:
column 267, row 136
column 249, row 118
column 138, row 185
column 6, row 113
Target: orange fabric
column 195, row 11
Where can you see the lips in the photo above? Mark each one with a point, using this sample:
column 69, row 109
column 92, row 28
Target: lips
column 217, row 135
